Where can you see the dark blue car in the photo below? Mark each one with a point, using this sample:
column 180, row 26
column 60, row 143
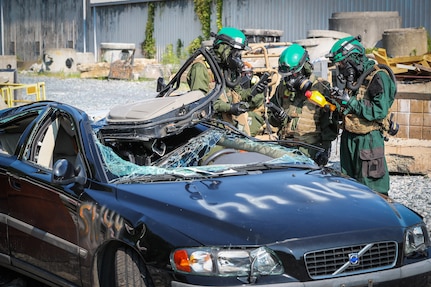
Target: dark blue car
column 159, row 194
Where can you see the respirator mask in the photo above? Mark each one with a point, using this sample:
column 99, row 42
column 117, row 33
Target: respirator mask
column 234, row 61
column 231, row 63
column 348, row 72
column 297, row 83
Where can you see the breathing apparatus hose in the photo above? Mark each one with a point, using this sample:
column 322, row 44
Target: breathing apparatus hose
column 229, row 83
column 361, row 79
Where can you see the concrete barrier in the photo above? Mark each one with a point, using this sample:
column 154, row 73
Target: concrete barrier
column 370, row 25
column 60, row 60
column 405, row 42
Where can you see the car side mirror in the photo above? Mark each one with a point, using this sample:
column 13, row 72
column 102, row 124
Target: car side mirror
column 65, row 173
column 160, row 84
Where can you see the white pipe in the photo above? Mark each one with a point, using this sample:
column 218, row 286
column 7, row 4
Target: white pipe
column 84, row 16
column 94, row 33
column 2, row 27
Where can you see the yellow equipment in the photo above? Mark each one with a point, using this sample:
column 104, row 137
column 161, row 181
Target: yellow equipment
column 13, row 93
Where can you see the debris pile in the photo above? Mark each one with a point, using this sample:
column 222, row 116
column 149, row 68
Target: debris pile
column 406, row 67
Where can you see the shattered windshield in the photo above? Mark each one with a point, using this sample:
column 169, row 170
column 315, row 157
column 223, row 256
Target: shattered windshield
column 212, row 152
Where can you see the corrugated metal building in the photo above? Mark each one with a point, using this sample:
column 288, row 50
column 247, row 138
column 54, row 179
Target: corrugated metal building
column 28, row 27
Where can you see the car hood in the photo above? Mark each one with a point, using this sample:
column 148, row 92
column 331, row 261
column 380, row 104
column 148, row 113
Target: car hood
column 266, row 207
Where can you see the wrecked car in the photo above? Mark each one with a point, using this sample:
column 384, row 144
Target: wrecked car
column 158, row 193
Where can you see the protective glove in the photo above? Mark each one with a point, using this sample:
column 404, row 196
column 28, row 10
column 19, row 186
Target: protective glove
column 322, row 157
column 341, row 96
column 279, row 114
column 238, row 108
column 261, row 86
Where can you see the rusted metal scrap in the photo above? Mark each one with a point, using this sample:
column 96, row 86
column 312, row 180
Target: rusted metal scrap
column 122, row 69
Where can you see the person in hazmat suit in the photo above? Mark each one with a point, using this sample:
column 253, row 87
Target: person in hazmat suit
column 232, row 106
column 365, row 94
column 306, row 122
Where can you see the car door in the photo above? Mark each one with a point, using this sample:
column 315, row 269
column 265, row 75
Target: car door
column 12, row 127
column 42, row 222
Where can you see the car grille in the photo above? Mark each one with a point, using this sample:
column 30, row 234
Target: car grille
column 350, row 260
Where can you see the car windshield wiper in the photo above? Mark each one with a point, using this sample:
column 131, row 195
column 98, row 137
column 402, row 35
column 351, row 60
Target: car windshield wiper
column 278, row 165
column 225, row 171
column 152, row 178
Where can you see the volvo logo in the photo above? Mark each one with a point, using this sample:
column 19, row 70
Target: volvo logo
column 354, row 258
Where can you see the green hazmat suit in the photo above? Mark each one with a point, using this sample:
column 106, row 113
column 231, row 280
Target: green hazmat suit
column 362, row 154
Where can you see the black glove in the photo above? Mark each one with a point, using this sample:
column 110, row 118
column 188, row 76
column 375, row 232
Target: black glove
column 261, row 86
column 340, row 95
column 322, row 157
column 278, row 113
column 238, row 108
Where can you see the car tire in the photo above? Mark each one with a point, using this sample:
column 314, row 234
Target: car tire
column 129, row 269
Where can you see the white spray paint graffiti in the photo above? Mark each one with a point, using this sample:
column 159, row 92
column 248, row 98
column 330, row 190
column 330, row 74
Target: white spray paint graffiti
column 315, row 191
column 324, row 192
column 259, row 202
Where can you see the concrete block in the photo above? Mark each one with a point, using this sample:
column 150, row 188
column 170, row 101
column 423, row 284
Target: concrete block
column 8, row 76
column 403, row 131
column 427, row 120
column 408, row 156
column 416, row 106
column 8, row 62
column 416, row 119
column 402, row 118
column 415, row 132
column 405, row 42
column 369, row 24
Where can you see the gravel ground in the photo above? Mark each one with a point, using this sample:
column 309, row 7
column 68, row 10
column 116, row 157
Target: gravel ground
column 97, row 96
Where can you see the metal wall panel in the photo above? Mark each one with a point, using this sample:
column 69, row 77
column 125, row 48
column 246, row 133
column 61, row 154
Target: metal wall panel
column 296, row 17
column 176, row 20
column 29, row 26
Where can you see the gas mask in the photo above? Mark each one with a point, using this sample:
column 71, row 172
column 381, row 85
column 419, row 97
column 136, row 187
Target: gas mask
column 234, row 61
column 297, row 83
column 231, row 63
column 348, row 72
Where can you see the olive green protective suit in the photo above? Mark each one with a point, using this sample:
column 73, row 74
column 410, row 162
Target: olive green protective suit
column 199, row 78
column 307, row 122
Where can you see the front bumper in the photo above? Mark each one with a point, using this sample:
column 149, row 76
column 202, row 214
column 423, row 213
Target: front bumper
column 394, row 275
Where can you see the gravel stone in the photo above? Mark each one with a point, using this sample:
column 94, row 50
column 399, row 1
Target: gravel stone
column 92, row 95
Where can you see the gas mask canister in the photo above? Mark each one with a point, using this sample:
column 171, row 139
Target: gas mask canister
column 297, row 83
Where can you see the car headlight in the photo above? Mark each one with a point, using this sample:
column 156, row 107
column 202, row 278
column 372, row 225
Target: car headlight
column 215, row 261
column 416, row 240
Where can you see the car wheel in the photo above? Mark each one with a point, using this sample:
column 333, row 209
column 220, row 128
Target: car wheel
column 129, row 269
